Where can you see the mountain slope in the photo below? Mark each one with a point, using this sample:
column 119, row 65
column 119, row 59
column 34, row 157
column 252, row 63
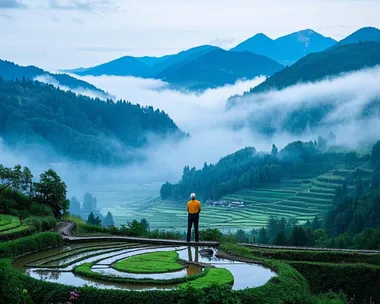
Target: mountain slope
column 314, row 67
column 145, row 67
column 218, row 68
column 124, row 66
column 77, row 127
column 286, row 49
column 12, row 71
column 181, row 57
column 363, row 34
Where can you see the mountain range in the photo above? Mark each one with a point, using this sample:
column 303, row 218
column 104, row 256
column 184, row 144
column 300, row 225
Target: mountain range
column 359, row 50
column 286, row 49
column 207, row 66
column 12, row 71
column 195, row 69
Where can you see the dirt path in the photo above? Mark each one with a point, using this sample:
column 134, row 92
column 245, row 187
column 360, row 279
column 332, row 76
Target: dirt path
column 258, row 246
column 65, row 228
column 80, row 239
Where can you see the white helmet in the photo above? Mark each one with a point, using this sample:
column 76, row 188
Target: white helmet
column 192, row 195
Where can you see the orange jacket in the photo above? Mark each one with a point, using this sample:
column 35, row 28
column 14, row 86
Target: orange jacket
column 194, row 206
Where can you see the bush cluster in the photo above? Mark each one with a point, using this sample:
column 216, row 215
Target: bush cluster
column 31, row 243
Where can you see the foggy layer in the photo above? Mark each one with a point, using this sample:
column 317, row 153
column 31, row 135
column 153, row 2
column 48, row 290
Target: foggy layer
column 216, row 132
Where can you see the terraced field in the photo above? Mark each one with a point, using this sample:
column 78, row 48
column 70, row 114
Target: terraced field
column 307, row 193
column 118, row 266
column 302, row 197
column 8, row 222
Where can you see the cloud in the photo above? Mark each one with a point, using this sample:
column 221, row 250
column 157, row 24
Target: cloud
column 81, row 5
column 5, row 16
column 216, row 132
column 5, row 4
column 55, row 19
column 76, row 20
column 81, row 91
column 226, row 42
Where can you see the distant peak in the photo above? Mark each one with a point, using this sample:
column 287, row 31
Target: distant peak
column 368, row 29
column 261, row 35
column 306, row 32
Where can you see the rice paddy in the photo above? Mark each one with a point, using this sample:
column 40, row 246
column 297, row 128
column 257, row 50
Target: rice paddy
column 132, row 266
column 302, row 196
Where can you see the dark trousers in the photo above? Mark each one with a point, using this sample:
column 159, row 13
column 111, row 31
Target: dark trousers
column 193, row 218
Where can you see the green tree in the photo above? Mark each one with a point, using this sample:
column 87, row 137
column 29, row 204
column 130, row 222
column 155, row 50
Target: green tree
column 17, row 178
column 316, row 224
column 263, row 236
column 51, row 191
column 108, row 221
column 92, row 220
column 274, row 150
column 241, row 236
column 6, row 176
column 375, row 156
column 280, row 239
column 145, row 223
column 27, row 181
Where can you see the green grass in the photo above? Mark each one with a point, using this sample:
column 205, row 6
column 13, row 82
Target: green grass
column 8, row 222
column 153, row 262
column 215, row 276
column 86, row 271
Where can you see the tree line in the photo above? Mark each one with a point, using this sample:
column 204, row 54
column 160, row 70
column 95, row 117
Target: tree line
column 77, row 126
column 242, row 169
column 18, row 191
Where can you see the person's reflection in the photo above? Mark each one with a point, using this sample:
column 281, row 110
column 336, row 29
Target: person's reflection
column 191, row 268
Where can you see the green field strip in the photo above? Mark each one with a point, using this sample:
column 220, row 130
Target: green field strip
column 311, row 199
column 264, row 192
column 73, row 253
column 306, row 203
column 327, row 196
column 316, row 189
column 324, row 185
column 278, row 209
column 9, row 222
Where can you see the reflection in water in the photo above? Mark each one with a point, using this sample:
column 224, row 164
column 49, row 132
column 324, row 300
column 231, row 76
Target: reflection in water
column 246, row 275
column 193, row 269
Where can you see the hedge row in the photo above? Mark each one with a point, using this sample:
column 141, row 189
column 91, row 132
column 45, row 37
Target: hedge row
column 31, row 243
column 18, row 232
column 359, row 281
column 288, row 286
column 320, row 256
column 29, row 226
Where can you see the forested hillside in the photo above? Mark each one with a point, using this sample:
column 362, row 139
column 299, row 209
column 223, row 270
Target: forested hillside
column 76, row 126
column 363, row 34
column 12, row 71
column 317, row 66
column 242, row 169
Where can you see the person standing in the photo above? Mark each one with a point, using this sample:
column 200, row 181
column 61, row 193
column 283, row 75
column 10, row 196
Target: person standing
column 193, row 208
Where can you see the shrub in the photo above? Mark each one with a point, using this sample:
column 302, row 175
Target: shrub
column 10, row 283
column 40, row 209
column 31, row 243
column 41, row 223
column 211, row 235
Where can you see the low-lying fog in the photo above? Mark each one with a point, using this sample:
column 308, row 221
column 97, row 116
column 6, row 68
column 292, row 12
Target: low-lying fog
column 210, row 126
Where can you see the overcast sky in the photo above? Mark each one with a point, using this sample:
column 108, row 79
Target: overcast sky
column 58, row 34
